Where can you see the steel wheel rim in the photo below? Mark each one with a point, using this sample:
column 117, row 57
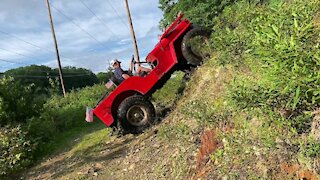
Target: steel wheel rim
column 137, row 115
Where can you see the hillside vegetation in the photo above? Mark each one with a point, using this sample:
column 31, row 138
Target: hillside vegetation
column 249, row 112
column 259, row 93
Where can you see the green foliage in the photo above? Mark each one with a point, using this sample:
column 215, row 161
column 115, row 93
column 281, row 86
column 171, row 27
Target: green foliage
column 200, row 110
column 217, row 154
column 311, row 148
column 168, row 94
column 43, row 77
column 277, row 45
column 15, row 150
column 179, row 131
column 200, row 12
column 286, row 40
column 78, row 78
column 18, row 103
column 63, row 113
column 103, row 77
column 37, row 75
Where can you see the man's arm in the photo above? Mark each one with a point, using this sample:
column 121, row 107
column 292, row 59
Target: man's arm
column 125, row 76
column 131, row 68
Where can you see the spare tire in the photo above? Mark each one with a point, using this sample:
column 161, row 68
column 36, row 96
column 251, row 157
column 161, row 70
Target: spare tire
column 188, row 53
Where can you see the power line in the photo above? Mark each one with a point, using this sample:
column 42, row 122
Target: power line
column 13, row 62
column 18, row 38
column 27, row 76
column 31, row 44
column 90, row 35
column 99, row 19
column 121, row 19
column 17, row 53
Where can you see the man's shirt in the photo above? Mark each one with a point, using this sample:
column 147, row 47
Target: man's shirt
column 118, row 75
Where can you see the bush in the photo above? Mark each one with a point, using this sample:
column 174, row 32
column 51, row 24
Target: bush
column 200, row 12
column 15, row 150
column 18, row 103
column 280, row 44
column 62, row 113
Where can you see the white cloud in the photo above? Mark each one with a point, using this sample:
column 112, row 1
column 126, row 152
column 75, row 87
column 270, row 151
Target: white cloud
column 28, row 20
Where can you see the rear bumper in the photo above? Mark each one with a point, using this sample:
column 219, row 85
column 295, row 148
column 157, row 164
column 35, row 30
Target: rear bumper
column 104, row 114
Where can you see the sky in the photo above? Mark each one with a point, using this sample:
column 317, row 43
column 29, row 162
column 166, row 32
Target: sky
column 89, row 32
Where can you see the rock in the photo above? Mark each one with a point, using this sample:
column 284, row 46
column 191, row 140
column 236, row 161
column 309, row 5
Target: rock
column 131, row 167
column 315, row 126
column 95, row 174
column 97, row 167
column 90, row 170
column 225, row 177
column 156, row 145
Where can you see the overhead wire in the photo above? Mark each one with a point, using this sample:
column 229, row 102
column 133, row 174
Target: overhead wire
column 17, row 53
column 28, row 64
column 31, row 44
column 20, row 39
column 121, row 19
column 34, row 45
column 102, row 22
column 71, row 20
column 27, row 76
column 14, row 62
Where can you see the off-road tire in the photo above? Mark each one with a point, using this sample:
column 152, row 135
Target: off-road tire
column 136, row 113
column 191, row 57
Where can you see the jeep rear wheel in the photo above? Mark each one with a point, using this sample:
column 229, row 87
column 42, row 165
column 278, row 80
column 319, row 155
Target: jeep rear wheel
column 135, row 113
column 192, row 43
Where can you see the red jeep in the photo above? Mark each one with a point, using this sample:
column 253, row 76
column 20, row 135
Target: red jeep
column 128, row 104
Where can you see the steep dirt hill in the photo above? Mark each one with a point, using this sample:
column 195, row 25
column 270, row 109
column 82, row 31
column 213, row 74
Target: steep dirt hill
column 167, row 150
column 201, row 138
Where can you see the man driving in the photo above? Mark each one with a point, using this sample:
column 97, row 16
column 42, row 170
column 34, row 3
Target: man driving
column 119, row 74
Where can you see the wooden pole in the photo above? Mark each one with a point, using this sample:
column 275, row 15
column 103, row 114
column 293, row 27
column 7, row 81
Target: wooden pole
column 57, row 50
column 132, row 32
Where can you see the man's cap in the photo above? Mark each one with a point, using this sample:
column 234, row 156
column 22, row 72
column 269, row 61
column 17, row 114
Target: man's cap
column 114, row 61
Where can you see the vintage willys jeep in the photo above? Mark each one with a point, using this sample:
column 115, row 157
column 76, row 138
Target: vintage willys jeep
column 128, row 105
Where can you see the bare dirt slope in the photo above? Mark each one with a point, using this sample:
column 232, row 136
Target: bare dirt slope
column 129, row 157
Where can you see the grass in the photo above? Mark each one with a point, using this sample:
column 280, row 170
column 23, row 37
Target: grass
column 170, row 92
column 91, row 140
column 76, row 139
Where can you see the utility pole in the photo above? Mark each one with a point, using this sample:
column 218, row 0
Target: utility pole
column 57, row 50
column 132, row 32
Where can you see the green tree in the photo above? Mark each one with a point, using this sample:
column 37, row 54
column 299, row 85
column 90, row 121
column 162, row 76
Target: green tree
column 18, row 103
column 34, row 74
column 75, row 78
column 105, row 76
column 47, row 80
column 200, row 12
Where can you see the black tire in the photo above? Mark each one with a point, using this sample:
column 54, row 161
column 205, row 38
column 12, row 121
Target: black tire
column 135, row 114
column 191, row 57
